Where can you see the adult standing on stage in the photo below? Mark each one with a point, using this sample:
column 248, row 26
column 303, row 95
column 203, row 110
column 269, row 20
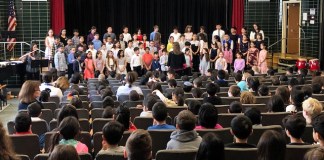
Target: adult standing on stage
column 176, row 59
column 255, row 31
column 32, row 73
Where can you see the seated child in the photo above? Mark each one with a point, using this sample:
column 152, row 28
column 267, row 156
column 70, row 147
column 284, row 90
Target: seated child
column 221, row 79
column 241, row 129
column 139, row 146
column 241, row 81
column 160, row 113
column 234, row 91
column 254, row 115
column 208, row 117
column 196, row 92
column 235, row 107
column 34, row 111
column 148, row 104
column 134, row 96
column 194, row 106
column 211, row 89
column 76, row 102
column 112, row 133
column 295, row 126
column 108, row 112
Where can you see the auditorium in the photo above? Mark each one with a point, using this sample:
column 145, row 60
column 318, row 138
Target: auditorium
column 161, row 80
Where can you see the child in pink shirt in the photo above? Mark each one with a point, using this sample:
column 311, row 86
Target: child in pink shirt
column 228, row 55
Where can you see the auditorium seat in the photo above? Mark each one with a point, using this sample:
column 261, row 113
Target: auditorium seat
column 143, row 122
column 319, row 97
column 187, row 95
column 23, row 157
column 176, row 154
column 83, row 113
column 123, row 98
column 96, row 104
column 97, row 140
column 297, row 152
column 134, row 112
column 262, row 99
column 55, row 99
column 146, row 91
column 95, row 98
column 96, row 113
column 46, row 115
column 222, row 94
column 223, row 134
column 115, row 156
column 191, row 99
column 99, row 123
column 223, row 89
column 308, row 134
column 130, row 104
column 26, row 144
column 258, row 131
column 274, row 118
column 160, row 138
column 174, row 111
column 38, row 127
column 50, row 105
column 84, row 124
column 41, row 156
column 224, row 119
column 229, row 100
column 240, row 153
column 261, row 107
column 222, row 108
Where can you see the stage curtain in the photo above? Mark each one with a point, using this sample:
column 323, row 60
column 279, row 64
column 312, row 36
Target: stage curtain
column 82, row 14
column 57, row 15
column 238, row 14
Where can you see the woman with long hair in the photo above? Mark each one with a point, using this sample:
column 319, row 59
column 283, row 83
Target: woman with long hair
column 176, row 59
column 28, row 94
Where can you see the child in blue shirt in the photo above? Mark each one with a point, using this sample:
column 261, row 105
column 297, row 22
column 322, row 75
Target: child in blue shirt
column 156, row 66
column 96, row 42
column 71, row 59
column 160, row 113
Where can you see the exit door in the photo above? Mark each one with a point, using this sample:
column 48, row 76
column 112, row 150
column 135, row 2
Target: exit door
column 293, row 17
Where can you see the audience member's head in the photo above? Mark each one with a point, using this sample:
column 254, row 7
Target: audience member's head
column 196, row 92
column 187, row 86
column 64, row 152
column 171, row 74
column 108, row 112
column 123, row 116
column 177, row 96
column 211, row 147
column 316, row 153
column 311, row 108
column 275, row 81
column 159, row 112
column 23, row 123
column 317, row 88
column 247, row 98
column 197, row 82
column 296, row 98
column 284, row 93
column 66, row 111
column 76, row 102
column 139, row 146
column 234, row 91
column 235, row 107
column 108, row 101
column 134, row 96
column 212, row 89
column 308, row 91
column 263, row 90
column 253, row 83
column 194, row 106
column 186, row 120
column 149, row 102
column 112, row 133
column 295, row 126
column 172, row 83
column 238, row 77
column 241, row 127
column 292, row 82
column 276, row 104
column 254, row 115
column 34, row 109
column 208, row 116
column 45, row 95
column 289, row 71
column 272, row 145
column 318, row 129
column 47, row 77
column 270, row 72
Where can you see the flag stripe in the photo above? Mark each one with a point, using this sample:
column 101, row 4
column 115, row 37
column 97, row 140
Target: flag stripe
column 12, row 22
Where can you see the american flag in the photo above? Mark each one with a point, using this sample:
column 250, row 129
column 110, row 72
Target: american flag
column 12, row 23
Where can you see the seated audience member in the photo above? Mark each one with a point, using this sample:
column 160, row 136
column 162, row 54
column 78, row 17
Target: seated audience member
column 194, row 106
column 275, row 81
column 317, row 88
column 163, row 77
column 311, row 108
column 241, row 129
column 271, row 146
column 196, row 93
column 139, row 146
column 102, row 80
column 69, row 128
column 276, row 104
column 64, row 152
column 112, row 133
column 284, row 93
column 208, row 117
column 77, row 88
column 301, row 80
column 197, row 82
column 256, row 70
column 108, row 112
column 105, row 93
column 185, row 137
column 296, row 99
column 44, row 95
column 235, row 107
column 187, row 86
column 234, row 91
column 148, row 104
column 125, row 90
column 263, row 90
column 283, row 80
column 66, row 111
column 211, row 148
column 160, row 113
column 123, row 116
column 134, row 96
column 108, row 101
column 308, row 91
column 315, row 153
column 253, row 84
column 55, row 92
column 177, row 97
column 292, row 82
column 289, row 71
column 295, row 126
column 318, row 129
column 247, row 98
column 156, row 86
column 23, row 124
column 221, row 79
column 171, row 74
column 241, row 81
column 211, row 90
column 75, row 79
column 35, row 111
column 62, row 83
column 172, row 83
column 270, row 72
column 254, row 115
column 76, row 102
column 28, row 94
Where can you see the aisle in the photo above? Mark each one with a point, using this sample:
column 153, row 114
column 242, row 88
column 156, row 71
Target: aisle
column 10, row 112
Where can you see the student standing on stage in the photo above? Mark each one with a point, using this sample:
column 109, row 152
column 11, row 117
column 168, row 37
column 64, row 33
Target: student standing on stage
column 111, row 64
column 218, row 32
column 235, row 38
column 136, row 63
column 244, row 46
column 71, row 59
column 49, row 43
column 252, row 56
column 164, row 61
column 99, row 64
column 176, row 35
column 221, row 63
column 129, row 52
column 60, row 61
column 239, row 63
column 147, row 59
column 92, row 50
column 195, row 52
column 204, row 61
column 89, row 66
column 109, row 34
column 75, row 38
column 96, row 42
column 228, row 55
column 255, row 31
column 127, row 36
column 91, row 35
column 213, row 52
column 188, row 33
column 32, row 73
column 263, row 59
column 121, row 63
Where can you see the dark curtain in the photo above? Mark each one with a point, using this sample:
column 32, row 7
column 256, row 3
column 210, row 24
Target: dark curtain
column 57, row 15
column 83, row 14
column 322, row 37
column 238, row 14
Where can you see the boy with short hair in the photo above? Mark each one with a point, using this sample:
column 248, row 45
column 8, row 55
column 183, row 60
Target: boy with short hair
column 160, row 113
column 34, row 110
column 77, row 64
column 136, row 62
column 196, row 93
column 234, row 91
column 76, row 38
column 156, row 62
column 134, row 96
column 318, row 129
column 221, row 79
column 241, row 129
column 212, row 89
column 235, row 107
column 171, row 74
column 112, row 133
column 139, row 146
column 60, row 61
column 147, row 59
column 241, row 81
column 185, row 137
column 197, row 82
column 254, row 115
column 148, row 104
column 294, row 127
column 71, row 59
column 96, row 42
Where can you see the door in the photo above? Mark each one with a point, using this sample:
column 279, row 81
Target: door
column 293, row 41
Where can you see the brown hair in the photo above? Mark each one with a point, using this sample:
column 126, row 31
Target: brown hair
column 187, row 28
column 62, row 83
column 314, row 154
column 26, row 93
column 6, row 149
column 234, row 90
column 272, row 145
column 176, row 48
column 139, row 145
column 247, row 98
column 64, row 152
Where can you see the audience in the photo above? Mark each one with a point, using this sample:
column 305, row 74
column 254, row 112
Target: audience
column 276, row 104
column 139, row 146
column 47, row 83
column 254, row 115
column 212, row 89
column 234, row 91
column 196, row 92
column 295, row 126
column 247, row 98
column 123, row 116
column 112, row 133
column 148, row 104
column 284, row 93
column 64, row 152
column 177, row 97
column 28, row 94
column 235, row 107
column 271, row 146
column 7, row 149
column 35, row 111
column 211, row 148
column 311, row 108
column 296, row 99
column 125, row 90
column 185, row 137
column 208, row 117
column 241, row 129
column 160, row 114
column 108, row 112
column 194, row 106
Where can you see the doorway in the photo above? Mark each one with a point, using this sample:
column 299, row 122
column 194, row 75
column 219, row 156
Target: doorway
column 291, row 29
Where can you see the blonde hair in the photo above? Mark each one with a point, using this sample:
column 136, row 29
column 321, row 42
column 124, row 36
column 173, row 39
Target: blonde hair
column 247, row 98
column 101, row 77
column 246, row 76
column 26, row 93
column 312, row 106
column 62, row 83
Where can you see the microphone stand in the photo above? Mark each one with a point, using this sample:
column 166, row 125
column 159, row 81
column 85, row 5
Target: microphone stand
column 304, row 36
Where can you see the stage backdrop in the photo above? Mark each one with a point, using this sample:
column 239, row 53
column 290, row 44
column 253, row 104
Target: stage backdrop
column 83, row 14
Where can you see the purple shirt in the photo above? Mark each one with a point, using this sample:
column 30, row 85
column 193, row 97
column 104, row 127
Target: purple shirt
column 239, row 65
column 90, row 37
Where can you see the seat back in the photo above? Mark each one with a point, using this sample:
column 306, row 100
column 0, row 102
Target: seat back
column 84, row 124
column 52, row 124
column 143, row 122
column 223, row 89
column 41, row 157
column 146, row 91
column 222, row 108
column 261, row 107
column 23, row 157
column 50, row 105
column 297, row 152
column 115, row 156
column 95, row 98
column 229, row 100
column 273, row 118
column 46, row 115
column 26, row 144
column 85, row 156
column 308, row 135
column 99, row 123
column 224, row 119
column 176, row 154
column 83, row 113
column 11, row 127
column 40, row 127
column 160, row 138
column 123, row 98
column 187, row 101
column 134, row 112
column 174, row 111
column 97, row 141
column 96, row 113
column 240, row 153
column 223, row 133
column 96, row 104
column 262, row 99
column 130, row 104
column 258, row 131
column 55, row 99
column 319, row 97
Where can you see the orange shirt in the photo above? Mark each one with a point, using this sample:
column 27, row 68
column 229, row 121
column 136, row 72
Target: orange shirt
column 147, row 59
